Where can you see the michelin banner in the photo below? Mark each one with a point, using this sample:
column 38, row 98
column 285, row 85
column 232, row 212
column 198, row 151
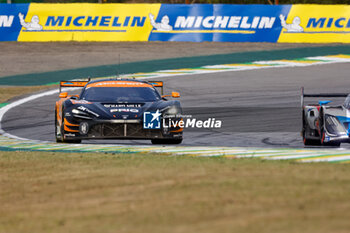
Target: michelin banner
column 170, row 22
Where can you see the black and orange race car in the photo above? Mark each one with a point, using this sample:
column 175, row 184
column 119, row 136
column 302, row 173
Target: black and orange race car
column 117, row 109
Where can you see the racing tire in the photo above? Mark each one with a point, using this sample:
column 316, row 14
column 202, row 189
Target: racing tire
column 166, row 141
column 58, row 139
column 308, row 142
column 64, row 140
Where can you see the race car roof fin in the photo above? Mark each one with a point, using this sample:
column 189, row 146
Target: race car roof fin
column 327, row 95
column 157, row 84
column 72, row 84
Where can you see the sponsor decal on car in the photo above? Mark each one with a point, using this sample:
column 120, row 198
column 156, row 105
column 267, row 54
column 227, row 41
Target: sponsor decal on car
column 122, row 105
column 131, row 110
column 118, row 84
column 84, row 109
column 69, row 135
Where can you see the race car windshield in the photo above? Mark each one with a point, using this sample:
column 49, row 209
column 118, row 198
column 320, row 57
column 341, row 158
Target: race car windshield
column 120, row 94
column 347, row 102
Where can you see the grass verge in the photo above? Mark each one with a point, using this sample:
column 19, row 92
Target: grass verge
column 60, row 192
column 9, row 92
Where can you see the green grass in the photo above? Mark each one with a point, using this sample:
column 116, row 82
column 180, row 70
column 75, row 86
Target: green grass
column 61, row 192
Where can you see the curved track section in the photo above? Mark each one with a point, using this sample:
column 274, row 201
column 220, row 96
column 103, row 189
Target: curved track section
column 259, row 108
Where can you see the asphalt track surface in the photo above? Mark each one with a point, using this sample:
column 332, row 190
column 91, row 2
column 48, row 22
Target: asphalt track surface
column 258, row 108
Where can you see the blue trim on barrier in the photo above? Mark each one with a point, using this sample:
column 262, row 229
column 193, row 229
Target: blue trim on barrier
column 76, row 30
column 262, row 20
column 318, row 32
column 10, row 25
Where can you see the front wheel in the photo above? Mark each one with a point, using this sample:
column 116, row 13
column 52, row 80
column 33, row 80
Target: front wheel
column 62, row 132
column 166, row 141
column 64, row 140
column 58, row 133
column 308, row 142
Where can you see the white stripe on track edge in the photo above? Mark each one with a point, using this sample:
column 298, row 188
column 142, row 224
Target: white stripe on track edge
column 6, row 108
column 328, row 159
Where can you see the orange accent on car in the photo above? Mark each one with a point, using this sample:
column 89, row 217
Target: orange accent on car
column 177, row 131
column 73, row 83
column 58, row 117
column 59, row 110
column 157, row 83
column 63, row 95
column 70, row 130
column 118, row 84
column 175, row 94
column 69, row 124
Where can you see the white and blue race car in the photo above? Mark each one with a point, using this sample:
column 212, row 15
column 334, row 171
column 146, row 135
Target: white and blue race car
column 323, row 124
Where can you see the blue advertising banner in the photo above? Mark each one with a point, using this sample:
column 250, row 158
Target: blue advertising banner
column 219, row 22
column 10, row 25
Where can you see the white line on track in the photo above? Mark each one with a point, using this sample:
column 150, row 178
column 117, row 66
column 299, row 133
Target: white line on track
column 6, row 108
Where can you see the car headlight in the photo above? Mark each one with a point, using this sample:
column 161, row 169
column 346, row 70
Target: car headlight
column 172, row 110
column 80, row 114
column 76, row 111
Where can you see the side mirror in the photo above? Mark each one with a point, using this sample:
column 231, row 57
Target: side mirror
column 63, row 95
column 175, row 94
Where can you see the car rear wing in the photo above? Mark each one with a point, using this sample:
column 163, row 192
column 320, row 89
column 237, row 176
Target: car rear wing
column 157, row 84
column 328, row 95
column 72, row 84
